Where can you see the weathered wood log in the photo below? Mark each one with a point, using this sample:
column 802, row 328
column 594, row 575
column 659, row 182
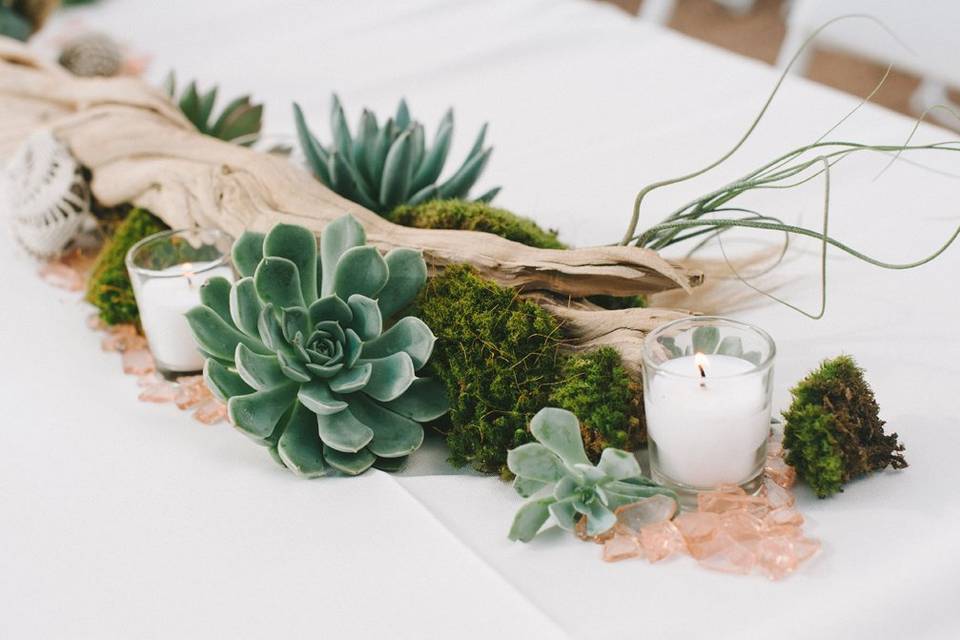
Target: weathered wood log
column 141, row 149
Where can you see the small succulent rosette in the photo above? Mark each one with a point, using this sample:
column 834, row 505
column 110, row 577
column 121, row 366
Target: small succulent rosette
column 578, row 488
column 298, row 351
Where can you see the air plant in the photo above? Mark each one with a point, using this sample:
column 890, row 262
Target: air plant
column 695, row 220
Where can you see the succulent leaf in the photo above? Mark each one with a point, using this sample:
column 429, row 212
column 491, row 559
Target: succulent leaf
column 361, row 270
column 390, row 377
column 338, row 237
column 535, row 462
column 298, row 245
column 351, row 464
column 410, row 335
column 258, row 413
column 394, row 436
column 245, row 306
column 247, row 252
column 580, row 489
column 423, row 401
column 278, row 283
column 239, row 122
column 216, row 336
column 300, row 448
column 382, row 167
column 408, row 274
column 222, row 382
column 215, row 293
column 292, row 366
column 367, row 322
column 343, row 432
column 317, row 396
column 559, row 431
column 529, row 520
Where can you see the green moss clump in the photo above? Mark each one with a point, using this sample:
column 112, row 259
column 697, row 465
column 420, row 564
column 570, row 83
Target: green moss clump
column 833, row 432
column 596, row 388
column 109, row 288
column 475, row 216
column 499, row 357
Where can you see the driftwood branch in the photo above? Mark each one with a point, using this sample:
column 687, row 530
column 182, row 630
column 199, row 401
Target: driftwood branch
column 141, row 149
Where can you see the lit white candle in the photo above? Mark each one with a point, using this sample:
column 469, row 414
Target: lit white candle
column 707, row 420
column 163, row 300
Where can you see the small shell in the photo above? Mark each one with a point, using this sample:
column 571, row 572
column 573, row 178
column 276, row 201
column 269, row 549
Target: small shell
column 44, row 195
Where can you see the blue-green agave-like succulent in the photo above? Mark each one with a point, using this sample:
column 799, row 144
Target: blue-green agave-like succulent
column 580, row 489
column 297, row 349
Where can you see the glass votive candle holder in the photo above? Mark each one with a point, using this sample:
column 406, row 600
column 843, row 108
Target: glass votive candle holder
column 167, row 270
column 708, row 384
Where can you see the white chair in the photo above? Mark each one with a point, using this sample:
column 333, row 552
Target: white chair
column 921, row 39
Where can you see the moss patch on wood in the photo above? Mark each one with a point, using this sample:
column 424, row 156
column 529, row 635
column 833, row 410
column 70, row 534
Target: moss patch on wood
column 475, row 216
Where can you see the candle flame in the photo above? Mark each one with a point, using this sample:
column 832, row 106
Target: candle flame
column 187, row 268
column 702, row 363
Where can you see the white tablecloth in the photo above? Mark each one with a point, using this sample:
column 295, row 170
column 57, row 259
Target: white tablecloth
column 120, row 519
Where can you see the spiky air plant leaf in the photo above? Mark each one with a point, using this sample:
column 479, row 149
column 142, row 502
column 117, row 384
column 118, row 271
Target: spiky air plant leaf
column 578, row 488
column 302, row 350
column 383, row 167
column 239, row 122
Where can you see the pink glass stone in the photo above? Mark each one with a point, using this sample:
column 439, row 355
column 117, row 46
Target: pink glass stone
column 62, row 276
column 210, row 412
column 784, row 516
column 621, row 547
column 160, row 392
column 191, row 392
column 777, row 557
column 122, row 338
column 95, row 323
column 742, row 526
column 661, row 540
column 774, row 449
column 724, row 553
column 646, row 511
column 696, row 528
column 780, row 472
column 580, row 530
column 776, row 495
column 718, row 502
column 138, row 362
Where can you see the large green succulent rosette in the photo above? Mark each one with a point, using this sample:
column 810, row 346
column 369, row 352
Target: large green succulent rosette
column 298, row 349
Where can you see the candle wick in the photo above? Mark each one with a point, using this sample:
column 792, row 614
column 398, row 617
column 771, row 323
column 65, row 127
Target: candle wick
column 703, row 376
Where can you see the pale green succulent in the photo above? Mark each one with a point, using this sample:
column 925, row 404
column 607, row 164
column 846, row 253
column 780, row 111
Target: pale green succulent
column 580, row 489
column 384, row 167
column 298, row 351
column 239, row 122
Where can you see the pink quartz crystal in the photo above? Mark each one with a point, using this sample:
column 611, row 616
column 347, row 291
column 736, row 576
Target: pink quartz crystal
column 731, row 531
column 138, row 362
column 580, row 530
column 631, row 518
column 161, row 391
column 210, row 412
column 191, row 392
column 780, row 472
column 724, row 553
column 719, row 502
column 661, row 540
column 95, row 322
column 123, row 337
column 776, row 495
column 62, row 276
column 621, row 546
